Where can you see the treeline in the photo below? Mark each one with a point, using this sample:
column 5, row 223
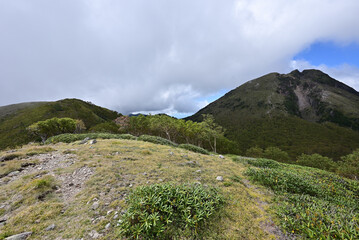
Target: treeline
column 206, row 134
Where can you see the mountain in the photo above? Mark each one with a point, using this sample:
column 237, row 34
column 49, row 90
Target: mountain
column 299, row 112
column 15, row 118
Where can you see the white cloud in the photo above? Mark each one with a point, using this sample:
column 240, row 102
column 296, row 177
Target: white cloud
column 159, row 55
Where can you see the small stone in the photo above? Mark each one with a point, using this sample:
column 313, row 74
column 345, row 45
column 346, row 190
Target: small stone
column 144, row 173
column 171, row 153
column 219, row 178
column 93, row 141
column 21, row 236
column 199, row 171
column 95, row 205
column 51, row 227
column 14, row 173
column 108, row 225
column 221, row 156
column 197, row 183
column 94, row 234
column 116, row 216
column 160, row 180
column 109, row 212
column 37, row 221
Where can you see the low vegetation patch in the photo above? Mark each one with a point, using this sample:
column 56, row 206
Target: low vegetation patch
column 157, row 140
column 68, row 137
column 263, row 163
column 194, row 148
column 39, row 150
column 316, row 161
column 312, row 203
column 166, row 211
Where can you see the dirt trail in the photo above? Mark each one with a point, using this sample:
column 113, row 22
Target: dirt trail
column 268, row 225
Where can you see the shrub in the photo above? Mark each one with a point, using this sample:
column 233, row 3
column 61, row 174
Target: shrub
column 312, row 203
column 263, row 163
column 276, row 154
column 55, row 126
column 157, row 140
column 166, row 211
column 194, row 148
column 106, row 127
column 282, row 181
column 254, row 152
column 349, row 167
column 316, row 161
column 68, row 137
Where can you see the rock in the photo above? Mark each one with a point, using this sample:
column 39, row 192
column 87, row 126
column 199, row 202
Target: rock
column 171, row 153
column 85, row 140
column 191, row 163
column 108, row 225
column 109, row 212
column 221, row 156
column 51, row 227
column 95, row 205
column 197, row 183
column 93, row 141
column 198, row 171
column 219, row 178
column 14, row 173
column 21, row 236
column 93, row 234
column 116, row 216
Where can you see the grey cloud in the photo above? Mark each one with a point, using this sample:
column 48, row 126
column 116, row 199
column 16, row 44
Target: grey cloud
column 155, row 55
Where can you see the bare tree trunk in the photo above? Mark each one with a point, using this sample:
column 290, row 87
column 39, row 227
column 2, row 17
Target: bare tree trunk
column 215, row 145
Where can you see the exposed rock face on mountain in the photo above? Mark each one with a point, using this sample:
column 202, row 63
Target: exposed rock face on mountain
column 300, row 112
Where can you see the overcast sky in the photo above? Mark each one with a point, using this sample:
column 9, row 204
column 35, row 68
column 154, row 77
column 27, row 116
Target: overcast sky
column 163, row 55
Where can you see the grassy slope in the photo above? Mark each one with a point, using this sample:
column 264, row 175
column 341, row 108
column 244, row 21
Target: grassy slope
column 13, row 108
column 13, row 126
column 255, row 115
column 119, row 165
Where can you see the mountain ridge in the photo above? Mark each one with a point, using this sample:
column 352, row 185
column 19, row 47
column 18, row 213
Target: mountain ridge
column 265, row 107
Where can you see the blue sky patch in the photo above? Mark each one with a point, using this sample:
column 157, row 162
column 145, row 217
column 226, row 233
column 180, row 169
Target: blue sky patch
column 330, row 54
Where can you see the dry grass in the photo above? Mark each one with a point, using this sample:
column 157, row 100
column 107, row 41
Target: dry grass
column 121, row 165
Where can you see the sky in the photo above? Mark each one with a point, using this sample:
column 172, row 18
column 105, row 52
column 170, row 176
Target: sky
column 167, row 56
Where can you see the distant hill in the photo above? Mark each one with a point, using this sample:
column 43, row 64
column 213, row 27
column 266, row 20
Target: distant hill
column 300, row 112
column 16, row 117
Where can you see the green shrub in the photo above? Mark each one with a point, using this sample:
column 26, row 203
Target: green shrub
column 282, row 181
column 312, row 203
column 263, row 163
column 106, row 127
column 167, row 211
column 276, row 154
column 255, row 152
column 68, row 137
column 157, row 140
column 194, row 148
column 349, row 166
column 316, row 161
